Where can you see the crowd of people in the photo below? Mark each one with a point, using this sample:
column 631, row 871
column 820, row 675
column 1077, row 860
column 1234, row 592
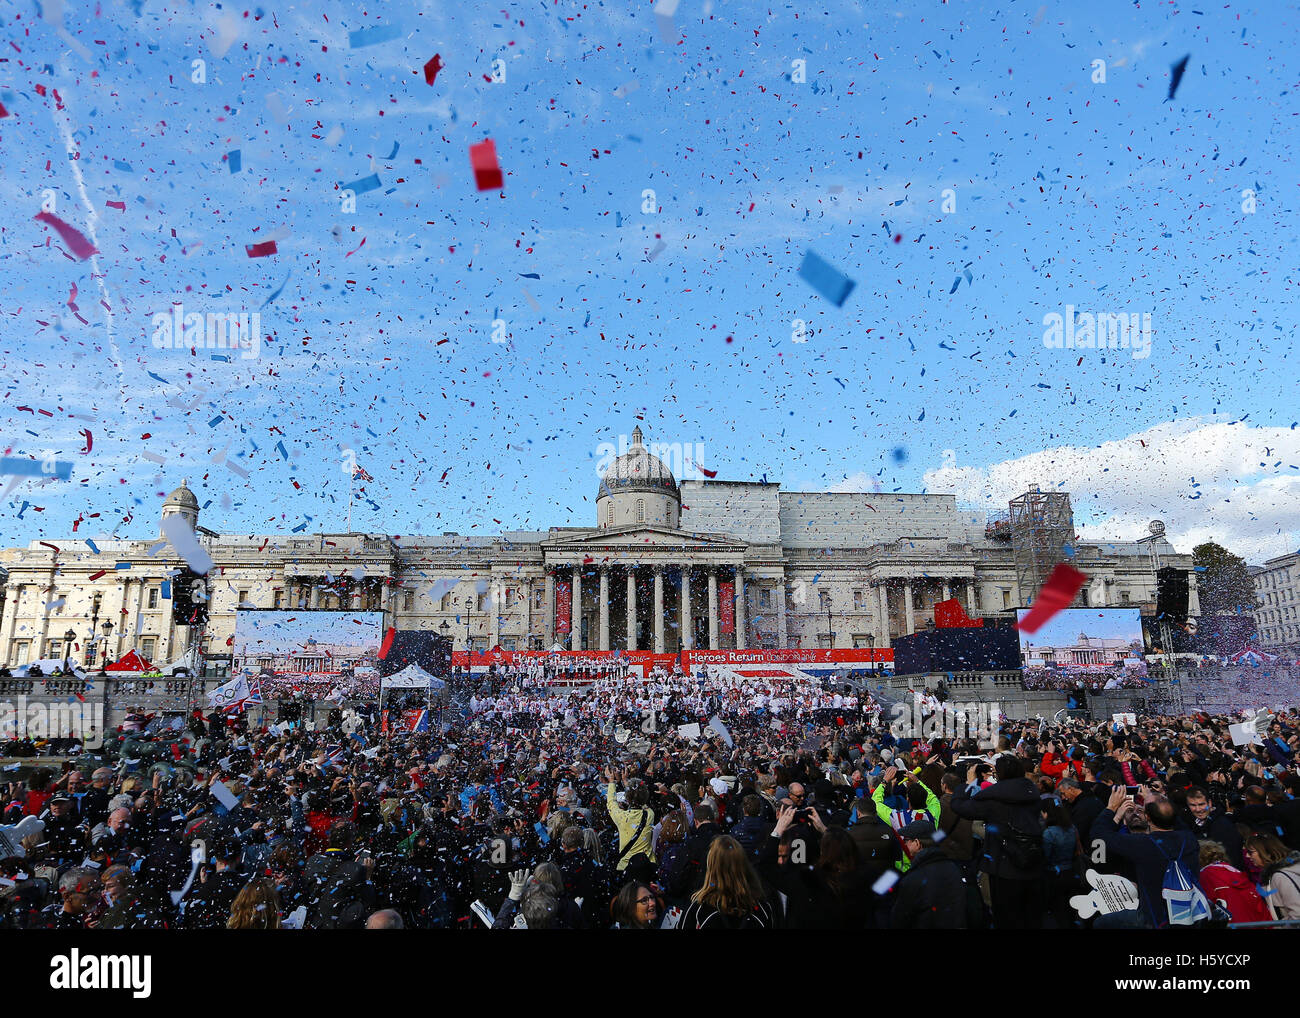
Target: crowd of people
column 1092, row 680
column 664, row 801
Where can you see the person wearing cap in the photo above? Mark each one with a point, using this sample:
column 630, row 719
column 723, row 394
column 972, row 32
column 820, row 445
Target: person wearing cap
column 64, row 837
column 932, row 894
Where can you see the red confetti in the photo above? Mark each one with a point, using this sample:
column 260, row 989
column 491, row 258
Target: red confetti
column 1057, row 593
column 432, row 68
column 267, row 247
column 72, row 237
column 95, row 576
column 388, row 643
column 487, row 172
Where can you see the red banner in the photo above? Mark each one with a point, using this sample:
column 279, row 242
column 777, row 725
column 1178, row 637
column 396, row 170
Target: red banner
column 563, row 606
column 951, row 615
column 647, row 659
column 789, row 656
column 726, row 607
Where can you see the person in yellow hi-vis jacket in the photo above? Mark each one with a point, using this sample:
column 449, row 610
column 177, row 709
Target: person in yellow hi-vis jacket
column 635, row 823
column 922, row 804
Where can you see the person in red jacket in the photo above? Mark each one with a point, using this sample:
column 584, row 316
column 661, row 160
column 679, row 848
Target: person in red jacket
column 39, row 792
column 1223, row 882
column 1056, row 763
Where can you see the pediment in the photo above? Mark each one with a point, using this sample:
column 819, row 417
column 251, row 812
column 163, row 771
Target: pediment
column 640, row 536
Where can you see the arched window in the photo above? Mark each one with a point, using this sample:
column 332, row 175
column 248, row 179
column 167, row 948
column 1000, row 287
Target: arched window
column 640, row 510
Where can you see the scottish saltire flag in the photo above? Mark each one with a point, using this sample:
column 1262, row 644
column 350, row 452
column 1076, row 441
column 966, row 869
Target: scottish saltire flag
column 1186, row 902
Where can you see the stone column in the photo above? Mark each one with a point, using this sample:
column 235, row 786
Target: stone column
column 11, row 623
column 604, row 608
column 882, row 615
column 119, row 623
column 713, row 607
column 947, row 590
column 741, row 614
column 659, row 609
column 575, row 614
column 314, row 603
column 907, row 606
column 688, row 630
column 495, row 587
column 781, row 637
column 1097, row 596
column 631, row 608
column 548, row 612
column 527, row 591
column 1193, row 594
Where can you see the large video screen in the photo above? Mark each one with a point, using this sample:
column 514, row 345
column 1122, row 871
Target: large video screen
column 1086, row 641
column 309, row 652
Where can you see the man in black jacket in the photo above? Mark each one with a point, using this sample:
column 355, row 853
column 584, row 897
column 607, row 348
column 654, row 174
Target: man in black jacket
column 752, row 828
column 1013, row 843
column 209, row 902
column 1083, row 807
column 340, row 893
column 932, row 894
column 1208, row 824
column 698, row 842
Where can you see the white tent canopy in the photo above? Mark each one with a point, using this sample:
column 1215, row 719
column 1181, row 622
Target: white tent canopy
column 48, row 665
column 411, row 677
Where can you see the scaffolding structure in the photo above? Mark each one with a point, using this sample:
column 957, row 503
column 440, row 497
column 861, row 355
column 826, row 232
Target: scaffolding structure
column 1042, row 526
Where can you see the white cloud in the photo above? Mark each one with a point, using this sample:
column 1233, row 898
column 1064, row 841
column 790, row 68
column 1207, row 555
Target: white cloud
column 1233, row 483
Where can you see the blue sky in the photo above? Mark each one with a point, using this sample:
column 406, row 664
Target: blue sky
column 1102, row 196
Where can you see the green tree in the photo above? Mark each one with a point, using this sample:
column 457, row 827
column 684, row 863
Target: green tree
column 1223, row 581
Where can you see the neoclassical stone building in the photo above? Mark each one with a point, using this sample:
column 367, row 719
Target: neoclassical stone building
column 697, row 565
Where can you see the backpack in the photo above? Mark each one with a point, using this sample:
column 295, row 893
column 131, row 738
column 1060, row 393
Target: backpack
column 1185, row 902
column 1023, row 850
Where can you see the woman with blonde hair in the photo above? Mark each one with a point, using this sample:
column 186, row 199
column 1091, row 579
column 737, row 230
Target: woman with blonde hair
column 732, row 897
column 1280, row 874
column 256, row 907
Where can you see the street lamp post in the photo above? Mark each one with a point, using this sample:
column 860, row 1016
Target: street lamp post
column 103, row 665
column 445, row 629
column 830, row 632
column 68, row 639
